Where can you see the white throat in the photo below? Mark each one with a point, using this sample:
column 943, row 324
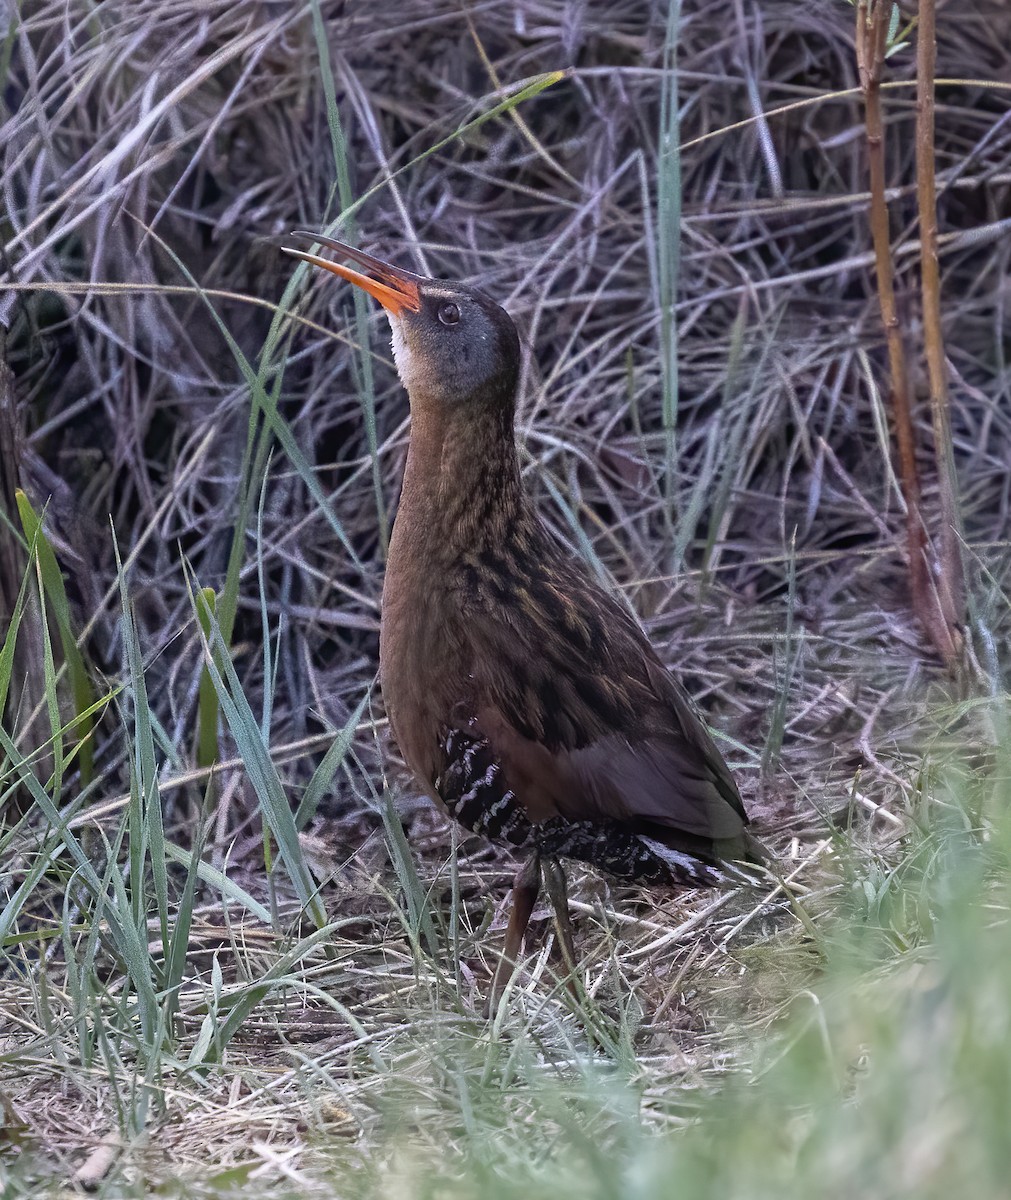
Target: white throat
column 402, row 355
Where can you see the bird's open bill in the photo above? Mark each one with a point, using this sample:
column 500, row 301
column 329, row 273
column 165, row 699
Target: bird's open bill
column 394, row 288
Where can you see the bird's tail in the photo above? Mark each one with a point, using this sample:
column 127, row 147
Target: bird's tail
column 693, row 871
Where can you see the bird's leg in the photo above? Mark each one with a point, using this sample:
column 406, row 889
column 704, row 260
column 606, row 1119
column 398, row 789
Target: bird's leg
column 526, row 887
column 554, row 882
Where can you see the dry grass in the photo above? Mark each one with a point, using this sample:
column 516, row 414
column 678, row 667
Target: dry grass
column 152, row 154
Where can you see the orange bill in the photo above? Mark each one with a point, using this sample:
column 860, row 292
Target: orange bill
column 394, row 288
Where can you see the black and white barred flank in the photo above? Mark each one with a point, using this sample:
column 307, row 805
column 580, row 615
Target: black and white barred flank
column 475, row 793
column 473, row 788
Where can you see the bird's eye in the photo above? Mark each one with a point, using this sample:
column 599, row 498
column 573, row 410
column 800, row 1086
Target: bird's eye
column 449, row 313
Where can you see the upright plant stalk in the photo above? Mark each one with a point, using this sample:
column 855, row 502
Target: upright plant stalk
column 871, row 37
column 871, row 45
column 950, row 574
column 668, row 265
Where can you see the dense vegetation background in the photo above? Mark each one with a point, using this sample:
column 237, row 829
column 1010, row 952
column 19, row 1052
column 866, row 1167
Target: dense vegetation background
column 704, row 416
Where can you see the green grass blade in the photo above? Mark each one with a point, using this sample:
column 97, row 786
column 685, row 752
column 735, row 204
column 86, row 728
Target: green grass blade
column 178, row 945
column 207, row 697
column 147, row 831
column 323, row 776
column 11, row 641
column 255, row 753
column 56, row 594
column 528, row 91
column 420, row 924
column 239, row 1004
column 50, row 693
column 668, row 256
column 216, row 879
column 345, row 194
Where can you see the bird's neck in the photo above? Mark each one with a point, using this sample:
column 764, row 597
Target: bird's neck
column 461, row 482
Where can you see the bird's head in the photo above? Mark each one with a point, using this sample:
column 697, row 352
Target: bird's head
column 454, row 346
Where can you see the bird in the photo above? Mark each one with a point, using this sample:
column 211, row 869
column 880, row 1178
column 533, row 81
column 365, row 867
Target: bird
column 525, row 698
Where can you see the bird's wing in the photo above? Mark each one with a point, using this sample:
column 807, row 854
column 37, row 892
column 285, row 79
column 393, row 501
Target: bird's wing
column 586, row 720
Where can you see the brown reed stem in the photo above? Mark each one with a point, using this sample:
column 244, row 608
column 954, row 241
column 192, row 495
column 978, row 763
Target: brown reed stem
column 871, row 45
column 949, row 573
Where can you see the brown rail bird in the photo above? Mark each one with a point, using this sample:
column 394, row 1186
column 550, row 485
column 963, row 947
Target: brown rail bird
column 526, row 700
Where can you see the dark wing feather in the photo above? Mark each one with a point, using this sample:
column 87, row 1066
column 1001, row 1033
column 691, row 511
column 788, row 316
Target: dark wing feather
column 584, row 717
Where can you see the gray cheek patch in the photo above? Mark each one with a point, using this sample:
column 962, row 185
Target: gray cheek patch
column 459, row 362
